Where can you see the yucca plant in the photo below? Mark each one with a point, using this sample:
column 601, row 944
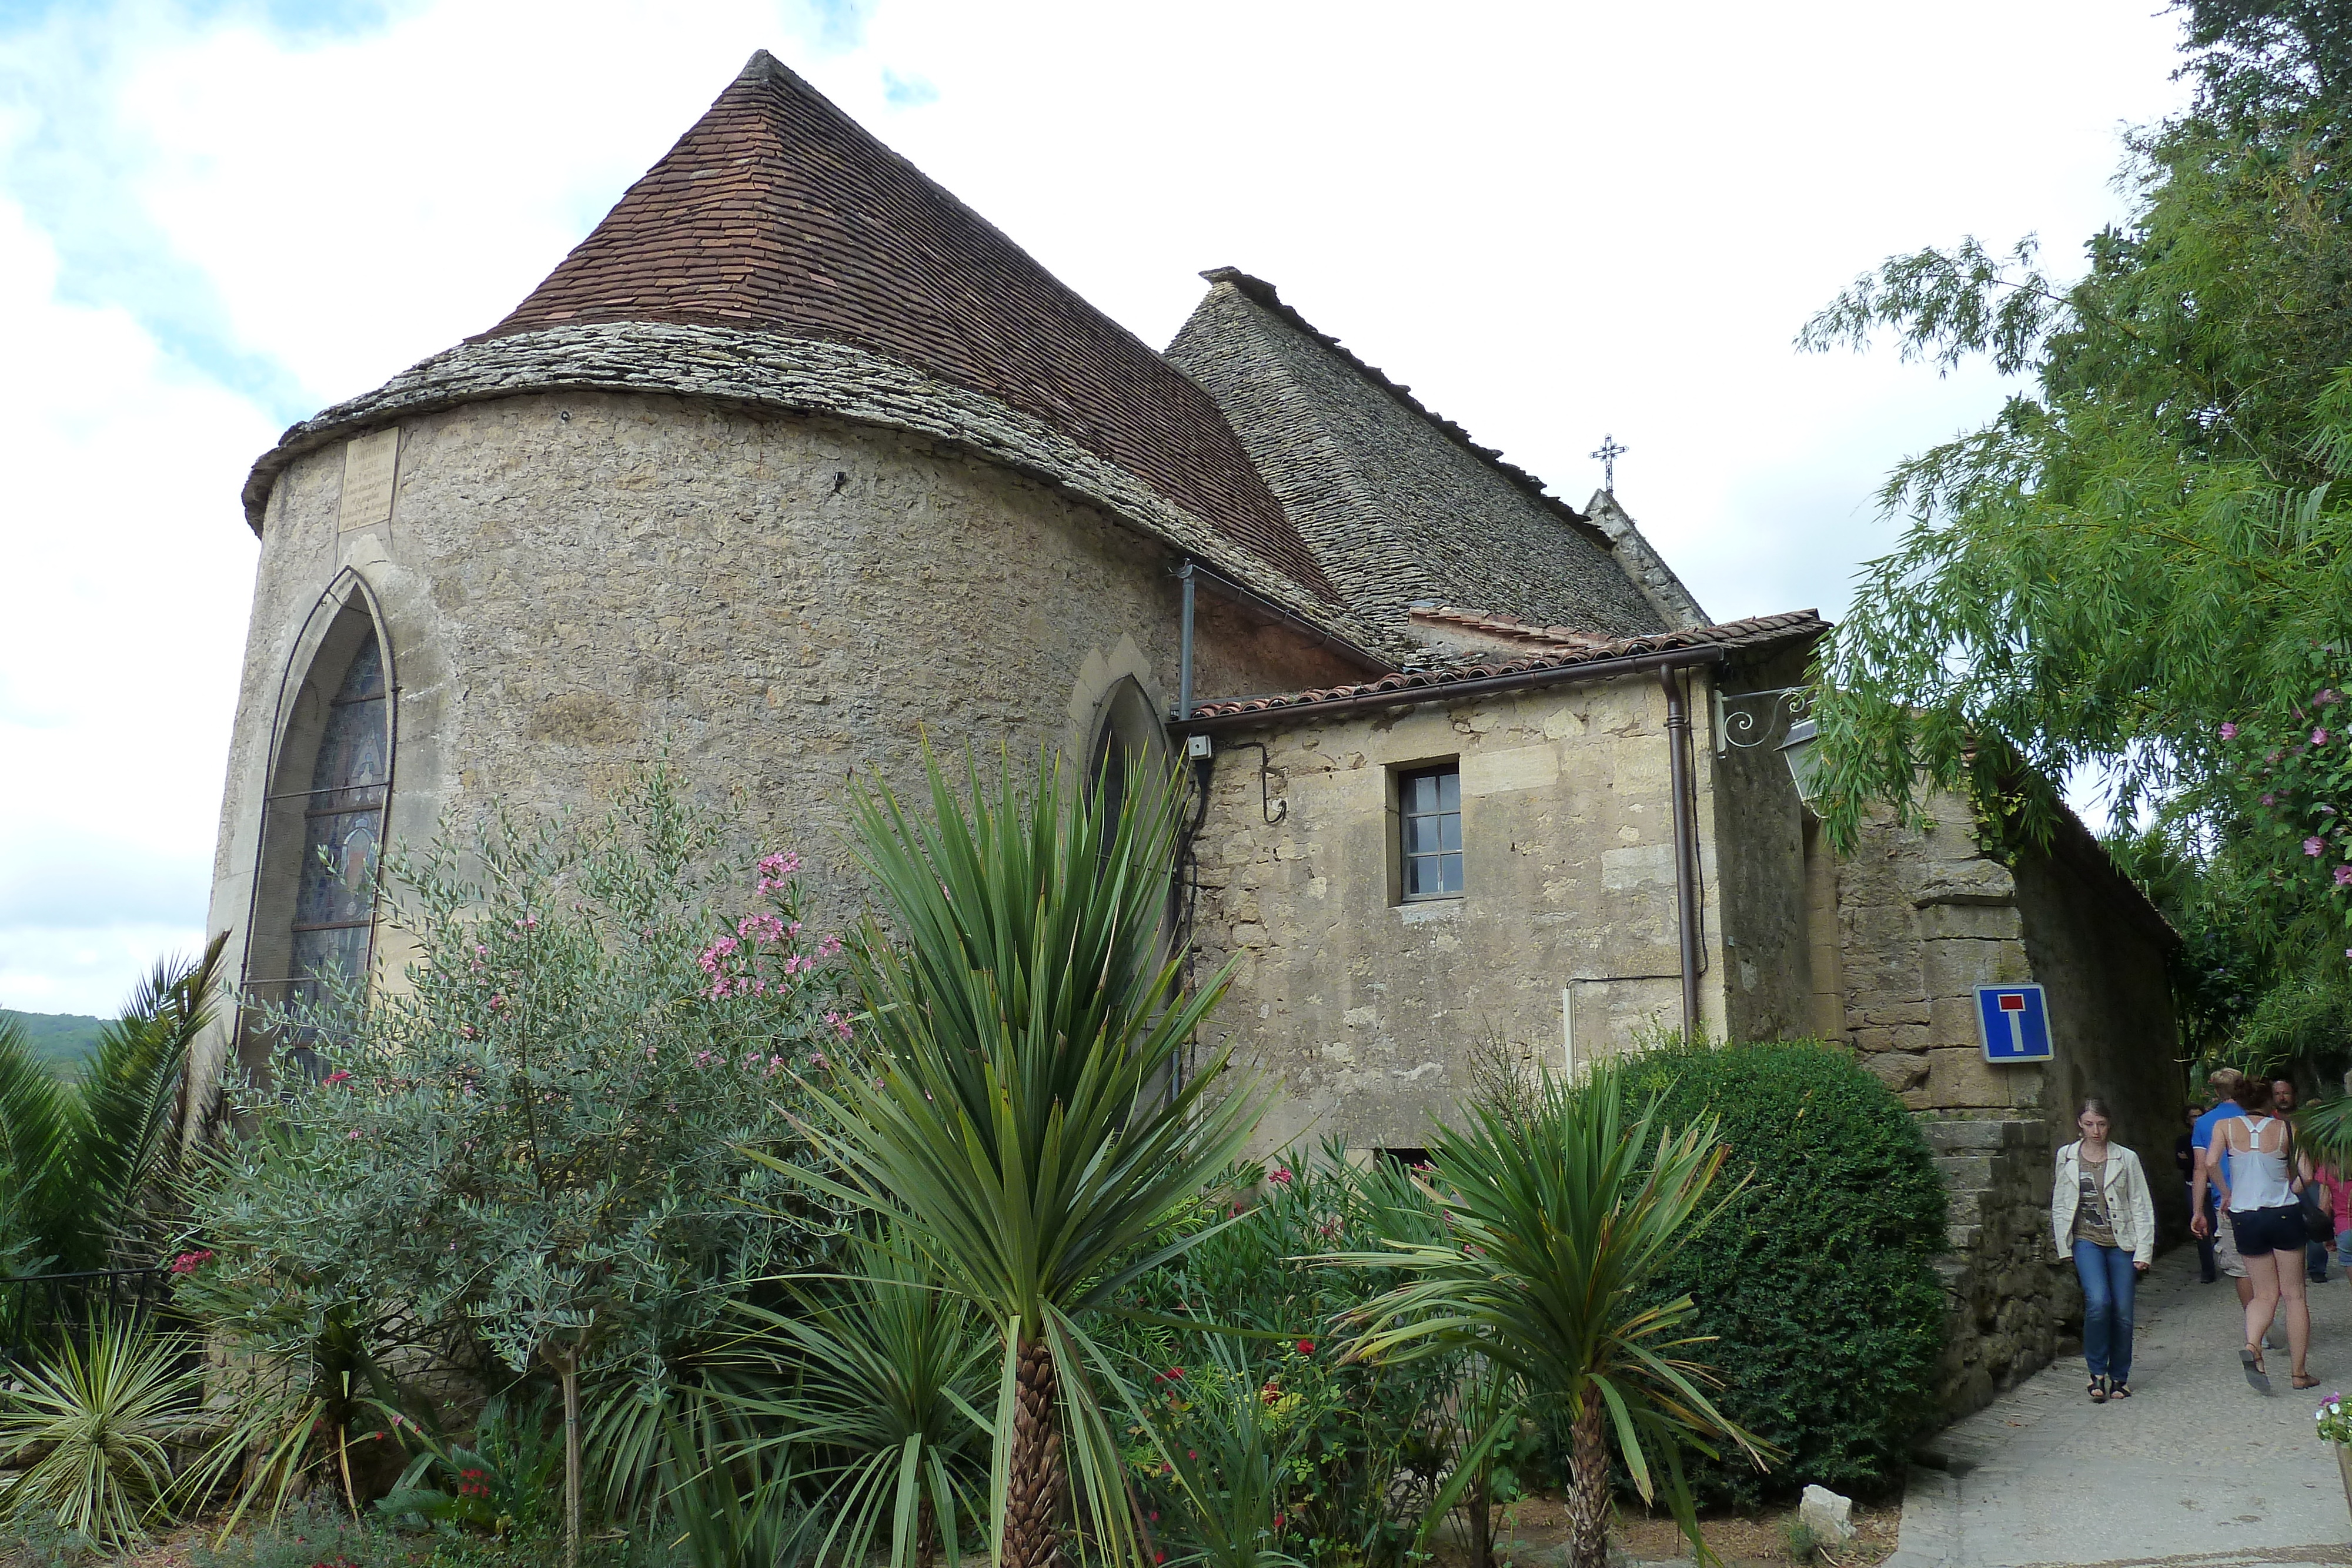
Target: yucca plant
column 1561, row 1217
column 86, row 1160
column 1012, row 1110
column 88, row 1436
column 883, row 1379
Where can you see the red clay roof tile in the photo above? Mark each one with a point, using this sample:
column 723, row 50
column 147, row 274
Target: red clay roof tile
column 777, row 211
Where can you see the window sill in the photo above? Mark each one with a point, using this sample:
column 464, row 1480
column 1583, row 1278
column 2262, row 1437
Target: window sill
column 1415, row 911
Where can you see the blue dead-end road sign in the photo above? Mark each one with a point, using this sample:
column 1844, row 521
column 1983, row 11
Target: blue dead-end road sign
column 2014, row 1022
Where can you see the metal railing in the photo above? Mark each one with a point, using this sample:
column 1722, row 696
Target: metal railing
column 37, row 1311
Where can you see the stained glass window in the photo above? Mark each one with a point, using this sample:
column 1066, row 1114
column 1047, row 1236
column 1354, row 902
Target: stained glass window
column 342, row 818
column 1430, row 805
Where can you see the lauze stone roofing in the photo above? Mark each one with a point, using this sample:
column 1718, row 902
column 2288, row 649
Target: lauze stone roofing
column 1756, row 633
column 1398, row 503
column 778, row 212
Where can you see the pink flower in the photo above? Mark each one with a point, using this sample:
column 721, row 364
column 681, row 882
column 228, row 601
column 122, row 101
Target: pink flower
column 702, row 1058
column 651, row 1052
column 497, row 1001
column 2344, row 876
column 466, row 1030
column 719, row 990
column 2318, row 737
column 355, row 1135
column 338, row 1076
column 2270, row 800
column 2312, row 846
column 1280, row 1175
column 829, row 947
column 840, row 1025
column 2229, row 732
column 2328, row 697
column 762, row 927
column 480, row 951
column 189, row 1262
column 816, row 1058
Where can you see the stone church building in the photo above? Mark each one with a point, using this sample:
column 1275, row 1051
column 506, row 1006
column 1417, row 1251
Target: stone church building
column 796, row 460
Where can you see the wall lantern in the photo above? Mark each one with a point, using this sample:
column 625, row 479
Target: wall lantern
column 1803, row 760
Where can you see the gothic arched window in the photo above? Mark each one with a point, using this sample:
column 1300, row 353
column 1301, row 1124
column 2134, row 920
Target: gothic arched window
column 1129, row 741
column 343, row 831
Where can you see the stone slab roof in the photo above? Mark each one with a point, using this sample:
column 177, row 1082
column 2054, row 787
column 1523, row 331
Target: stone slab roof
column 1755, row 635
column 1398, row 503
column 802, row 375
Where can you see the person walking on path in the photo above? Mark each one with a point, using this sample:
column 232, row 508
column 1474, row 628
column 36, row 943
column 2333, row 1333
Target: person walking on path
column 2100, row 1212
column 2260, row 1175
column 2204, row 1212
column 2314, row 1254
column 2336, row 1197
column 2184, row 1162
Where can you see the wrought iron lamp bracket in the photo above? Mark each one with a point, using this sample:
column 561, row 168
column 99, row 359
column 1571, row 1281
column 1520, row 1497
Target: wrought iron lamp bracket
column 1747, row 720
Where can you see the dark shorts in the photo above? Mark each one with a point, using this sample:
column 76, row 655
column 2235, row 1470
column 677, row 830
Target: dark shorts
column 2265, row 1230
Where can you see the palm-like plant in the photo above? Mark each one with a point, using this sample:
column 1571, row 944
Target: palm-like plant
column 1013, row 1111
column 85, row 1159
column 1561, row 1217
column 886, row 1381
column 93, row 1431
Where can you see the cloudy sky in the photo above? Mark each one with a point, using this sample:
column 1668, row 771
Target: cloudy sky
column 1555, row 220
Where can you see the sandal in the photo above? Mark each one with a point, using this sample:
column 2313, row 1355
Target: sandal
column 2097, row 1391
column 2257, row 1376
column 2305, row 1380
column 2119, row 1391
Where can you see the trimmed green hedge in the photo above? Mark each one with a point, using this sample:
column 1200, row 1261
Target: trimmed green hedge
column 1816, row 1279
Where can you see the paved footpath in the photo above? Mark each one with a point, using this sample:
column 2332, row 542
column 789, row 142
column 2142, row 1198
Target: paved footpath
column 2195, row 1470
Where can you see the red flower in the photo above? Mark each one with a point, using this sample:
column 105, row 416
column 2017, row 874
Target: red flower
column 1172, row 1374
column 189, row 1262
column 1306, row 1347
column 337, row 1076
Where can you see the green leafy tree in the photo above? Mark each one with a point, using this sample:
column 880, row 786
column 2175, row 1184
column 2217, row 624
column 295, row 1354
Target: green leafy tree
column 86, row 1162
column 545, row 1137
column 2147, row 553
column 1012, row 1112
column 1563, row 1214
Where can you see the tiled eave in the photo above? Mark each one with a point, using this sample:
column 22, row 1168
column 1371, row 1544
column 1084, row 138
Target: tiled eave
column 1699, row 645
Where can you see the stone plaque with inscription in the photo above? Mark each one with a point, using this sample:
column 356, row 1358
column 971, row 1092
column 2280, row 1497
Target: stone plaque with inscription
column 369, row 465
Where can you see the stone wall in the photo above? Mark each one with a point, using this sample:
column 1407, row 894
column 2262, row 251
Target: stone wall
column 1366, row 1008
column 2009, row 1304
column 570, row 584
column 1926, row 916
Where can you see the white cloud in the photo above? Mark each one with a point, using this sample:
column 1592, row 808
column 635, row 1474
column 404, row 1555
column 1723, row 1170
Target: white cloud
column 1553, row 220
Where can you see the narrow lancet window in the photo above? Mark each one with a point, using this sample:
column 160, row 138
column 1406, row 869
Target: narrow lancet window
column 342, row 819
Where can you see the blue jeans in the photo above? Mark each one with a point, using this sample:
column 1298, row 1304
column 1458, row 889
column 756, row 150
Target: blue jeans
column 2107, row 1277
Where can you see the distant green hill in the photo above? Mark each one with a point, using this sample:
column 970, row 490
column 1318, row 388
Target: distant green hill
column 61, row 1039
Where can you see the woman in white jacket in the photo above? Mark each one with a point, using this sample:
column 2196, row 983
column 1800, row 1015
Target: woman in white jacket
column 2101, row 1214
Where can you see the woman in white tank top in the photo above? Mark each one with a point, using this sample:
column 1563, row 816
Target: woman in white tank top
column 2262, row 1173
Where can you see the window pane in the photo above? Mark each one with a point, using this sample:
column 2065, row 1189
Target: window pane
column 1424, row 793
column 1415, row 877
column 1449, row 789
column 1451, row 825
column 1453, row 873
column 1421, row 835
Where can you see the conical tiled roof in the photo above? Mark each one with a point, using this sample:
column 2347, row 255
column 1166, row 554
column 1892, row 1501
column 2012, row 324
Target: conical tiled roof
column 1398, row 504
column 779, row 214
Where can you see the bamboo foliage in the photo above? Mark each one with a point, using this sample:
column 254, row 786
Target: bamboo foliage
column 1015, row 1108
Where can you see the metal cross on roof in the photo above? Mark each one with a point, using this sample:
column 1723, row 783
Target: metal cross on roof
column 1609, row 452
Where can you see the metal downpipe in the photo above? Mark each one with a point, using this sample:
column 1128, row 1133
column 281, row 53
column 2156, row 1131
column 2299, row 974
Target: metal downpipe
column 1685, row 847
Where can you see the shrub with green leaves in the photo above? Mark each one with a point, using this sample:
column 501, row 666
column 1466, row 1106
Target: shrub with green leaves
column 563, row 1136
column 1815, row 1278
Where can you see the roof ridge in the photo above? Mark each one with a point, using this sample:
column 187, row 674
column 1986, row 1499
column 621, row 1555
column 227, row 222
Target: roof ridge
column 1504, row 625
column 1266, row 295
